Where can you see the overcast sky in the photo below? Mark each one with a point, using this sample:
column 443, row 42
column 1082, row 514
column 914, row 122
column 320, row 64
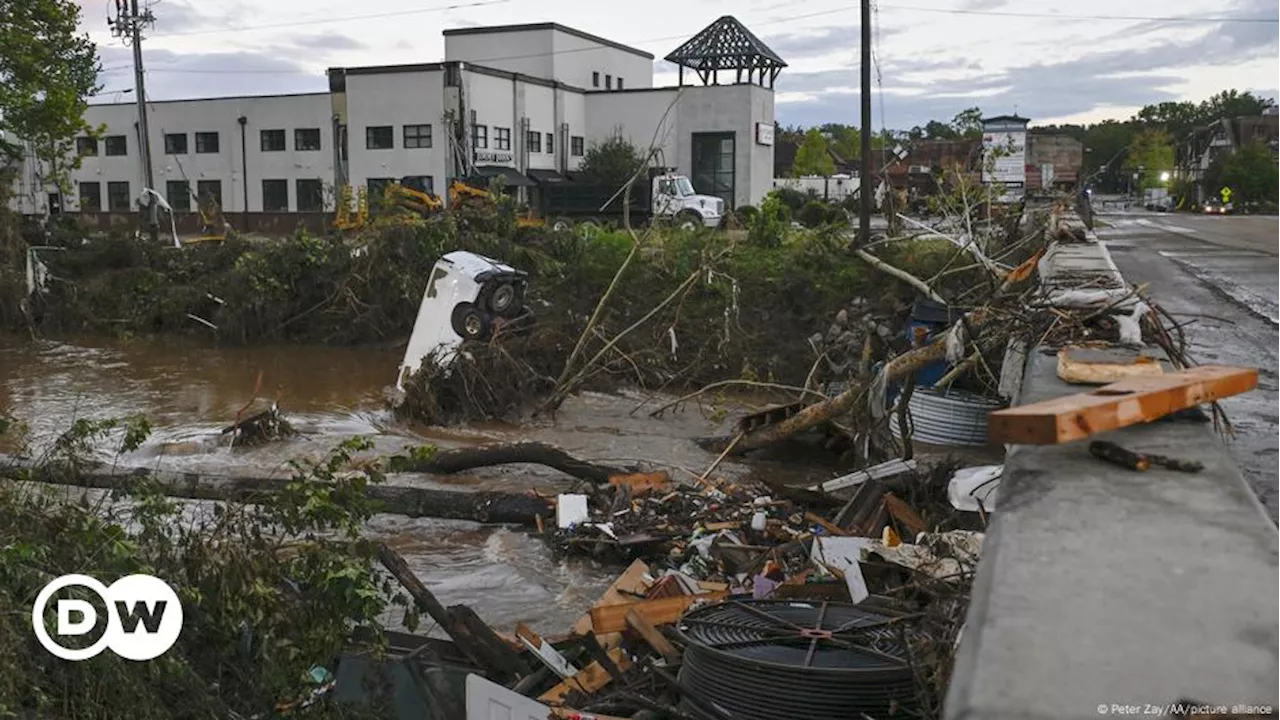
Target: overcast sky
column 934, row 57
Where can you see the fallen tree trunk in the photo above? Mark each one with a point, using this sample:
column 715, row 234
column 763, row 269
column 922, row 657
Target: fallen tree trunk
column 823, row 412
column 485, row 507
column 445, row 462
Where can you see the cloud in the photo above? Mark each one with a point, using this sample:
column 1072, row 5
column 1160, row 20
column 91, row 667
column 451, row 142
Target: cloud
column 983, row 4
column 816, row 43
column 328, row 40
column 175, row 76
column 913, row 93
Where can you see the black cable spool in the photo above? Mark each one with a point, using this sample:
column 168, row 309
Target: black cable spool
column 805, row 660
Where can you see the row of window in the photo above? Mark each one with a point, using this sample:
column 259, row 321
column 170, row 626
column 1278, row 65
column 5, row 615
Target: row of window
column 608, row 81
column 533, row 138
column 383, row 137
column 275, row 195
column 304, row 139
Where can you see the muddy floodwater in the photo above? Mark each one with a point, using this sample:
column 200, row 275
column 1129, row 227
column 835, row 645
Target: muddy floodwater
column 190, row 391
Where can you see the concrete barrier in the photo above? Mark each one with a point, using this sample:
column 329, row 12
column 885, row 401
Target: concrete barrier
column 1108, row 592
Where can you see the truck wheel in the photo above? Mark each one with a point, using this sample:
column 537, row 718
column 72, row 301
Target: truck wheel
column 470, row 323
column 589, row 228
column 688, row 221
column 504, row 300
column 561, row 224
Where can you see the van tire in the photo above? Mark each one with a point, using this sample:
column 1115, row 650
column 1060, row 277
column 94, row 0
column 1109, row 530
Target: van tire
column 470, row 322
column 561, row 224
column 504, row 299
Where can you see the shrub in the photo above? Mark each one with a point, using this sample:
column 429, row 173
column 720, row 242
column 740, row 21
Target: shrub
column 813, row 214
column 770, row 223
column 790, row 197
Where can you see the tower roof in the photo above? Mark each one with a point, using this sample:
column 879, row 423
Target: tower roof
column 726, row 44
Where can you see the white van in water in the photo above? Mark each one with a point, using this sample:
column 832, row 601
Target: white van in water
column 467, row 296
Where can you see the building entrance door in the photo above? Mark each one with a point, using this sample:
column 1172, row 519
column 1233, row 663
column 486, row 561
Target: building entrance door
column 713, row 165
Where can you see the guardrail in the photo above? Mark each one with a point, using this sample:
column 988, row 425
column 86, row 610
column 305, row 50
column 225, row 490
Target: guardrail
column 1108, row 592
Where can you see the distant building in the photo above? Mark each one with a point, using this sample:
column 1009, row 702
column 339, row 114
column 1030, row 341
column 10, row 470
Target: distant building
column 1004, row 154
column 520, row 102
column 1198, row 151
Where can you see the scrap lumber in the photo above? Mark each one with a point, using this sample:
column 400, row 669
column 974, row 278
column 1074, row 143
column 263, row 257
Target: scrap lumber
column 825, row 524
column 1102, row 366
column 641, row 483
column 1128, row 402
column 474, row 638
column 613, row 618
column 544, row 651
column 632, row 583
column 883, row 471
column 905, row 514
column 484, row 507
column 588, row 680
column 445, row 462
column 652, row 635
column 1116, row 455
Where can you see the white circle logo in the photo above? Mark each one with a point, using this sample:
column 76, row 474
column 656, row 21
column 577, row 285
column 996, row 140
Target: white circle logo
column 144, row 617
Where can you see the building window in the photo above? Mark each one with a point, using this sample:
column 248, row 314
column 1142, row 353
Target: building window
column 379, row 137
column 551, row 144
column 713, row 168
column 175, row 143
column 310, row 196
column 118, row 198
column 209, row 191
column 178, row 194
column 608, row 82
column 306, row 139
column 480, row 137
column 576, row 146
column 86, row 146
column 535, row 141
column 619, row 83
column 272, row 140
column 501, row 138
column 275, row 194
column 90, row 197
column 378, row 186
column 417, row 136
column 421, row 183
column 595, row 79
column 206, row 142
column 116, row 145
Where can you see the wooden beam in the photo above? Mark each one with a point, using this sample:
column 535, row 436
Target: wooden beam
column 653, row 636
column 588, row 680
column 613, row 618
column 1128, row 402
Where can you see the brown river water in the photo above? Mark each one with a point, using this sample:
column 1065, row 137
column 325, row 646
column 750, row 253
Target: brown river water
column 189, row 391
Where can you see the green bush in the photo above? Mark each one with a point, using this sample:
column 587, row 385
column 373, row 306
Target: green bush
column 790, row 197
column 813, row 214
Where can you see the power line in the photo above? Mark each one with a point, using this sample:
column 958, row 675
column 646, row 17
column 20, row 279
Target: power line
column 348, row 18
column 667, row 38
column 1058, row 16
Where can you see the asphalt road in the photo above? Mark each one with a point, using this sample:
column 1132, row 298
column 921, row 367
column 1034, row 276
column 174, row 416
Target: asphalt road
column 1219, row 274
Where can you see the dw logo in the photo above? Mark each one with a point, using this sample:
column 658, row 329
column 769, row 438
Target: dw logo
column 144, row 617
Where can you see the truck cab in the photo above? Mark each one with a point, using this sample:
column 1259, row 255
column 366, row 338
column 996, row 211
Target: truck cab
column 674, row 199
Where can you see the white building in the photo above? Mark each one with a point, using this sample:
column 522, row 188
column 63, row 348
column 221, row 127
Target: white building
column 523, row 102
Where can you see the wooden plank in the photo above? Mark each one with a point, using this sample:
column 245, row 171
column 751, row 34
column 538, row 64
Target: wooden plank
column 641, row 483
column 1128, row 402
column 905, row 514
column 613, row 618
column 588, row 680
column 652, row 635
column 825, row 524
column 630, row 584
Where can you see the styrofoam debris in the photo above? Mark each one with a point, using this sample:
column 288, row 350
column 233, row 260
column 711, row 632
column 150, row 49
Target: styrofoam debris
column 571, row 509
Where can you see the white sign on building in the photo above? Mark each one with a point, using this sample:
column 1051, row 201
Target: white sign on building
column 764, row 133
column 1004, row 157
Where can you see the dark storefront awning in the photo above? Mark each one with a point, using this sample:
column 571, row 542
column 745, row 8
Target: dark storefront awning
column 510, row 176
column 546, row 177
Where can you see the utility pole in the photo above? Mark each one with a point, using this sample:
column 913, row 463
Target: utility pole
column 127, row 24
column 864, row 214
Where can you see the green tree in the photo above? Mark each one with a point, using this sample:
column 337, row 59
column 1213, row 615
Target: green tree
column 1105, row 144
column 611, row 162
column 1232, row 103
column 967, row 123
column 812, row 157
column 936, row 130
column 844, row 140
column 1174, row 117
column 1251, row 173
column 47, row 72
column 1150, row 153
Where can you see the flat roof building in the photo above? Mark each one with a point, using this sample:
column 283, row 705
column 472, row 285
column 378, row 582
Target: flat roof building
column 523, row 102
